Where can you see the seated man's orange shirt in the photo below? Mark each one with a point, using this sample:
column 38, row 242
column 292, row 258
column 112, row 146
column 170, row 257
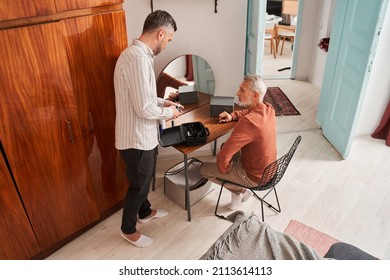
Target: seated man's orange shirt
column 255, row 136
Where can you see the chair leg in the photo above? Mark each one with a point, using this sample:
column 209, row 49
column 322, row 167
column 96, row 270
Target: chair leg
column 269, row 205
column 261, row 201
column 277, row 200
column 262, row 210
column 273, row 47
column 216, row 207
column 281, row 50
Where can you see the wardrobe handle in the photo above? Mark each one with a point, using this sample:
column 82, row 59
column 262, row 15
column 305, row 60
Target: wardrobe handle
column 90, row 122
column 70, row 130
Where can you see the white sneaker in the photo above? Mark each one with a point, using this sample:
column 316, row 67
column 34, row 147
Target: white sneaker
column 142, row 242
column 235, row 203
column 159, row 214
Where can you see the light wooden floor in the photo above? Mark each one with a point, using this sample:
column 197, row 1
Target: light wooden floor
column 347, row 199
column 271, row 65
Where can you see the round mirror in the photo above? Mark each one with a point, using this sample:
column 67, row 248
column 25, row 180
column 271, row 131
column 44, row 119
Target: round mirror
column 186, row 70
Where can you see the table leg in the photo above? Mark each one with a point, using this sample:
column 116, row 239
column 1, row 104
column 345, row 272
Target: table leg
column 215, row 147
column 187, row 196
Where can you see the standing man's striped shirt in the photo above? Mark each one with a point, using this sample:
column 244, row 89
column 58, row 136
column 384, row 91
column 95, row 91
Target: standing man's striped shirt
column 137, row 106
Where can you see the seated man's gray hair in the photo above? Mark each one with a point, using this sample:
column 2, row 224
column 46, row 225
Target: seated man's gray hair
column 257, row 84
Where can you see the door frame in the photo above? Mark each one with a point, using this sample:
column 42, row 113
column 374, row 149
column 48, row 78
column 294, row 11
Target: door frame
column 254, row 51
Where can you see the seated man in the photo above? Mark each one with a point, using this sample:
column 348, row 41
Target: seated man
column 250, row 147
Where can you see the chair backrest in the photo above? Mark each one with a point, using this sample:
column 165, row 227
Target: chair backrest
column 269, row 25
column 274, row 172
column 270, row 28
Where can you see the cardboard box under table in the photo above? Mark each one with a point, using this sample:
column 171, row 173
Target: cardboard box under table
column 175, row 185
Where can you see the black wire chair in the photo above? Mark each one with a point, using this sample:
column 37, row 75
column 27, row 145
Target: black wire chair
column 272, row 174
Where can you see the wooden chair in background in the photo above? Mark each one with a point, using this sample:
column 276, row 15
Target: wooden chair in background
column 272, row 36
column 284, row 34
column 289, row 8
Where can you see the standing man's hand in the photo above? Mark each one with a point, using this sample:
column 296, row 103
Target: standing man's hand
column 176, row 111
column 176, row 107
column 169, row 103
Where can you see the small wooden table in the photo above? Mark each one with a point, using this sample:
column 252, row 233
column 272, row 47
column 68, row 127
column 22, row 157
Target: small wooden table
column 199, row 112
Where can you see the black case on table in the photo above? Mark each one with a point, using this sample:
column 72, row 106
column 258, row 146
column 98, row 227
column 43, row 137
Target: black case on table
column 189, row 134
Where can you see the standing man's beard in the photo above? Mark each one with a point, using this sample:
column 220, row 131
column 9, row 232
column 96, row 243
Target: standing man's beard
column 157, row 50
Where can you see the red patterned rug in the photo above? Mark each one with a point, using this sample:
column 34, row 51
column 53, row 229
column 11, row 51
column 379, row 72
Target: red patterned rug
column 315, row 239
column 282, row 105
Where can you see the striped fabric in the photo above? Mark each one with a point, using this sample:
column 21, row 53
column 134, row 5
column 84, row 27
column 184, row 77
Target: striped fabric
column 137, row 106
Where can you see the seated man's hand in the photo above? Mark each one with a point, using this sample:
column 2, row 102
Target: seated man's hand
column 173, row 96
column 225, row 117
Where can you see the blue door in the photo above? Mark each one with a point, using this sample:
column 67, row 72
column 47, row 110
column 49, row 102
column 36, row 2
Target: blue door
column 351, row 51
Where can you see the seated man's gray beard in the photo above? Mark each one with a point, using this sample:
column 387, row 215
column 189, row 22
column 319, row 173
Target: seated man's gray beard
column 245, row 105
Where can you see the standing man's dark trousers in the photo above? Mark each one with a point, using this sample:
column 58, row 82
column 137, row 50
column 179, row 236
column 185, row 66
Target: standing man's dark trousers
column 139, row 170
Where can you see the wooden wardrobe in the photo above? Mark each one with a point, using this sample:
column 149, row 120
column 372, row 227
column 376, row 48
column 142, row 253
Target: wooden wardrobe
column 61, row 171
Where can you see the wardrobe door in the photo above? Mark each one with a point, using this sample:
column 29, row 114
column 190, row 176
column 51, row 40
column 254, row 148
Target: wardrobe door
column 93, row 44
column 17, row 9
column 41, row 134
column 18, row 241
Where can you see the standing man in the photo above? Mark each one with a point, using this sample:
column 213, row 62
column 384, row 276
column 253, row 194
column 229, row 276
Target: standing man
column 251, row 145
column 138, row 110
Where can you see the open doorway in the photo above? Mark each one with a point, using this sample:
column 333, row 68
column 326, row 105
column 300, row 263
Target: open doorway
column 278, row 55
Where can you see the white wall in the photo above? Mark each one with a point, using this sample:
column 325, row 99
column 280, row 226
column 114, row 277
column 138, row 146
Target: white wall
column 322, row 28
column 306, row 39
column 378, row 88
column 219, row 38
column 316, row 20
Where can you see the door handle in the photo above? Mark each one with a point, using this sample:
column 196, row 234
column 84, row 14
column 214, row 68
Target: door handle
column 70, row 131
column 91, row 128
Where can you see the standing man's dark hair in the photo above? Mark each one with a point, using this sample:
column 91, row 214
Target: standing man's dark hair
column 138, row 110
column 159, row 19
column 158, row 30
